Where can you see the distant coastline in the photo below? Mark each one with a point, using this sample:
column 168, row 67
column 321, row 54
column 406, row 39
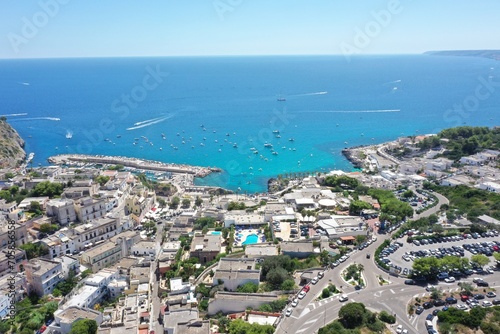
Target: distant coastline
column 491, row 54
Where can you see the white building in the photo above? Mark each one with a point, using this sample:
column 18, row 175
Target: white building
column 88, row 208
column 147, row 249
column 68, row 264
column 43, row 275
column 63, row 210
column 64, row 319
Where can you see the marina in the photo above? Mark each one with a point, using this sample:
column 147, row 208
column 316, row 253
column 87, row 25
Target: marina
column 77, row 159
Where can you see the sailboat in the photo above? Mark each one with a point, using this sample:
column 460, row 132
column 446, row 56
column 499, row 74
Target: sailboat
column 69, row 134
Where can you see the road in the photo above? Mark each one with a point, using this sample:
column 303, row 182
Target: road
column 310, row 315
column 441, row 200
column 155, row 300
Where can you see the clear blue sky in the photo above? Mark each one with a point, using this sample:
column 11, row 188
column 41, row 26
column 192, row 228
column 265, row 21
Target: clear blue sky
column 103, row 28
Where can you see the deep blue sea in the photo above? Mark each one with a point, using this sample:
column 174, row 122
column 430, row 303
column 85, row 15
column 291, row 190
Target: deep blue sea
column 217, row 111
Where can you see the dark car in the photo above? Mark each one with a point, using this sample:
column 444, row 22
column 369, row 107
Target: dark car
column 439, row 302
column 410, row 282
column 451, row 300
column 430, row 316
column 427, row 305
column 419, row 310
column 478, row 296
column 435, row 312
column 482, row 283
column 495, row 301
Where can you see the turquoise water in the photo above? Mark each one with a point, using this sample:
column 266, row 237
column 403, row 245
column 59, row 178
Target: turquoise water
column 206, row 105
column 251, row 239
column 216, row 232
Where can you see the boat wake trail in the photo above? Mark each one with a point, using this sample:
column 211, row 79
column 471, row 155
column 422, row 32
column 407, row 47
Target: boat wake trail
column 149, row 120
column 37, row 119
column 392, row 82
column 12, row 115
column 353, row 111
column 153, row 121
column 310, row 94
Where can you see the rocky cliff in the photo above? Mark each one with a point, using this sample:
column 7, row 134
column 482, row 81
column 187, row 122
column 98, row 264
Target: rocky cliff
column 11, row 146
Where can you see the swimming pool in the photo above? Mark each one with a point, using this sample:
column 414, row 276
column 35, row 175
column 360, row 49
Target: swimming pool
column 216, row 232
column 251, row 239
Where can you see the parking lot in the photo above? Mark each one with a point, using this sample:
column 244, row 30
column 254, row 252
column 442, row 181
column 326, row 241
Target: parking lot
column 404, row 253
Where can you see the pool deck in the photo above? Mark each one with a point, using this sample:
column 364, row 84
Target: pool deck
column 238, row 241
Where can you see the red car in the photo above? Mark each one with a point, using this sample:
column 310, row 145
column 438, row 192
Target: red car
column 307, row 288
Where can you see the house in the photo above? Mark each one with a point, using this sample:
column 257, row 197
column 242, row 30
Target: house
column 177, row 315
column 104, row 255
column 261, row 250
column 299, row 250
column 235, row 272
column 11, row 260
column 147, row 249
column 59, row 244
column 20, row 234
column 43, row 275
column 485, row 219
column 96, row 230
column 242, row 218
column 194, row 327
column 63, row 210
column 25, row 204
column 88, row 208
column 93, row 290
column 64, row 319
column 68, row 264
column 205, row 247
column 489, row 186
column 231, row 302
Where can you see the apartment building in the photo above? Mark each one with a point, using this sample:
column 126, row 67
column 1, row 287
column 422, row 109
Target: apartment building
column 43, row 275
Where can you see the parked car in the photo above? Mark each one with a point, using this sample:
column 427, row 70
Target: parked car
column 295, row 302
column 491, row 294
column 419, row 310
column 410, row 282
column 439, row 302
column 288, row 312
column 343, row 298
column 483, row 283
column 314, row 280
column 427, row 305
column 450, row 279
column 302, row 294
column 451, row 300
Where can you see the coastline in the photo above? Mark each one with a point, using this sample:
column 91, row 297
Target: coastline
column 76, row 159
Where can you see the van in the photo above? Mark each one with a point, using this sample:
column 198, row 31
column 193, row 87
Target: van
column 428, row 324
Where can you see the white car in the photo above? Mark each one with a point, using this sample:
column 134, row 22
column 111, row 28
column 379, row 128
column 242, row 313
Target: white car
column 399, row 330
column 343, row 298
column 450, row 279
column 462, row 307
column 295, row 302
column 314, row 280
column 302, row 294
column 487, row 303
column 288, row 312
column 429, row 287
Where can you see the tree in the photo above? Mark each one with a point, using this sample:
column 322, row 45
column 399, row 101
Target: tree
column 356, row 207
column 239, row 326
column 386, row 317
column 480, row 260
column 351, row 315
column 496, row 256
column 408, row 194
column 288, row 285
column 162, row 203
column 186, row 203
column 84, row 326
column 248, row 288
column 433, row 219
column 276, row 276
column 198, row 202
column 102, row 180
column 325, row 293
column 174, row 203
